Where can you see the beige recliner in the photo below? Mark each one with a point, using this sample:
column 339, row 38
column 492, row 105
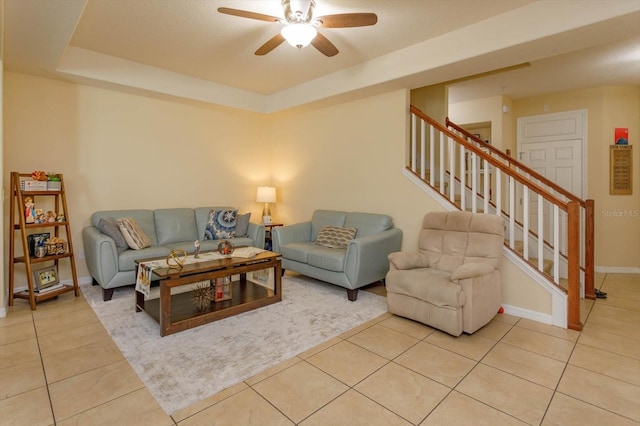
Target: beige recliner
column 452, row 282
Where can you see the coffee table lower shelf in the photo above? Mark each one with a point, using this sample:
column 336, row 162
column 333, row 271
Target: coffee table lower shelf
column 184, row 313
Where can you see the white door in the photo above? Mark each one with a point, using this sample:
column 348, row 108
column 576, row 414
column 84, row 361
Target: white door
column 554, row 146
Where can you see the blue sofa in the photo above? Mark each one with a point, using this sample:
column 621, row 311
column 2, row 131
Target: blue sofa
column 168, row 229
column 362, row 262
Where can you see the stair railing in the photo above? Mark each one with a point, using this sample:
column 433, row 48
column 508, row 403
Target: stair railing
column 465, row 169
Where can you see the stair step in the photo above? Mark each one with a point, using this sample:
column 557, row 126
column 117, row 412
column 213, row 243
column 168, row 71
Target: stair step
column 479, row 209
column 547, row 264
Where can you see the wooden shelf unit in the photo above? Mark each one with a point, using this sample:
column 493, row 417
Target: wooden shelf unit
column 18, row 223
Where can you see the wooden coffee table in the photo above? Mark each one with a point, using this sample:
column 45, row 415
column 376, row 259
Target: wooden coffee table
column 177, row 312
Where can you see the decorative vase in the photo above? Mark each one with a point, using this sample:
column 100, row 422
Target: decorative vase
column 225, row 247
column 53, row 185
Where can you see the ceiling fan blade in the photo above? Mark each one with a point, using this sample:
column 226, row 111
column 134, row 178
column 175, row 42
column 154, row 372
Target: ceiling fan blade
column 274, row 42
column 324, row 45
column 247, row 14
column 348, row 20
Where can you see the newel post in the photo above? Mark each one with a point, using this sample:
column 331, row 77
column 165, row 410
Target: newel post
column 589, row 250
column 573, row 260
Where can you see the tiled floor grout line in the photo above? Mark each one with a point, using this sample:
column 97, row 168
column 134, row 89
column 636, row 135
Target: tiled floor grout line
column 44, row 370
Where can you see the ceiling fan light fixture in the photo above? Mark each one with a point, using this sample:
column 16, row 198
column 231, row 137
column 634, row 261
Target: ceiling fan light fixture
column 299, row 35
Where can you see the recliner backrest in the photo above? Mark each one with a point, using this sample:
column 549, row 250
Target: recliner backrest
column 451, row 239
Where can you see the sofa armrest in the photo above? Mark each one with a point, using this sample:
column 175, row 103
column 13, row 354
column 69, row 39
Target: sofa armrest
column 101, row 255
column 367, row 257
column 407, row 260
column 471, row 270
column 297, row 233
column 255, row 231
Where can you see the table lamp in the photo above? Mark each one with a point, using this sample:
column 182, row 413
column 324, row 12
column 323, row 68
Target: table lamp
column 266, row 195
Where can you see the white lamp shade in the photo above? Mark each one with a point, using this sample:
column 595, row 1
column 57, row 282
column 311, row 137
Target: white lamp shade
column 266, row 194
column 299, row 35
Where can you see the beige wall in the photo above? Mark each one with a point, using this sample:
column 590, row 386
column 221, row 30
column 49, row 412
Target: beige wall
column 120, row 151
column 347, row 157
column 485, row 110
column 617, row 217
column 432, row 100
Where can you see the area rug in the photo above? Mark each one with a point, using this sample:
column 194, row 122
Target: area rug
column 184, row 368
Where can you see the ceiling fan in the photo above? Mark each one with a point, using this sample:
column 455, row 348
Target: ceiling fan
column 300, row 25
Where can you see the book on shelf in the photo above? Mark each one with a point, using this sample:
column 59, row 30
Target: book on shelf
column 49, row 289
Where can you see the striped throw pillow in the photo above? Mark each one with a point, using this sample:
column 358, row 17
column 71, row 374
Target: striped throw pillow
column 335, row 237
column 133, row 234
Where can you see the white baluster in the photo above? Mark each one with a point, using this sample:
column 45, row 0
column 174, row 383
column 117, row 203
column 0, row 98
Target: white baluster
column 525, row 222
column 442, row 162
column 512, row 208
column 414, row 127
column 556, row 243
column 423, row 160
column 498, row 192
column 432, row 155
column 463, row 180
column 452, row 170
column 540, row 232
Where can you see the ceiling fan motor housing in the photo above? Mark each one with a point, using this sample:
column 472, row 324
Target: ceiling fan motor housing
column 298, row 11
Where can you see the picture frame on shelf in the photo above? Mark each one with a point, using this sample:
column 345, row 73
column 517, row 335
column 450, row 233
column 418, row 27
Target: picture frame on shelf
column 34, row 240
column 45, row 277
column 263, row 277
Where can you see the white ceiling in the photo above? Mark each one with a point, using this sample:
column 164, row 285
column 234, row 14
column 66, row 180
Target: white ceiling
column 186, row 49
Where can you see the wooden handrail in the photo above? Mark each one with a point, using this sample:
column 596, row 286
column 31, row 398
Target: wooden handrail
column 517, row 163
column 507, row 170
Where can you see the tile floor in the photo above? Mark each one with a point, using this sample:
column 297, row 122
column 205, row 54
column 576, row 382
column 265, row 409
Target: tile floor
column 59, row 366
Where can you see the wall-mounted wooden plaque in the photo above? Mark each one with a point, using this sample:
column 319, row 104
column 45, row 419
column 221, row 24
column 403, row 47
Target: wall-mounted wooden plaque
column 620, row 170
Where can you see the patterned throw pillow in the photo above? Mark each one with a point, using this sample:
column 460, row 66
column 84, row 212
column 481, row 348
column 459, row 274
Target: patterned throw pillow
column 335, row 237
column 221, row 225
column 133, row 234
column 242, row 224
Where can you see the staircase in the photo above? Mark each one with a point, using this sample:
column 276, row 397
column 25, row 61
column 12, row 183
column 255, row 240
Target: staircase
column 549, row 230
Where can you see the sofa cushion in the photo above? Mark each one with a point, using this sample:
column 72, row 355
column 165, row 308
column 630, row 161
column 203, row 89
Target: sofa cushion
column 368, row 223
column 133, row 234
column 126, row 260
column 175, row 226
column 327, row 258
column 210, row 245
column 109, row 226
column 335, row 236
column 297, row 251
column 221, row 224
column 322, row 218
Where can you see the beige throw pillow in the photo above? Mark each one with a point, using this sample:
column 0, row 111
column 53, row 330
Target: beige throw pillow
column 335, row 237
column 133, row 234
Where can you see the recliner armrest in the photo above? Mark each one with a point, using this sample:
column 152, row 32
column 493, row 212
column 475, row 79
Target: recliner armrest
column 471, row 270
column 407, row 260
column 296, row 233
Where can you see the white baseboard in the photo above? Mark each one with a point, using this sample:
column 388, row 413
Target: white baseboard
column 3, row 312
column 528, row 314
column 617, row 269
